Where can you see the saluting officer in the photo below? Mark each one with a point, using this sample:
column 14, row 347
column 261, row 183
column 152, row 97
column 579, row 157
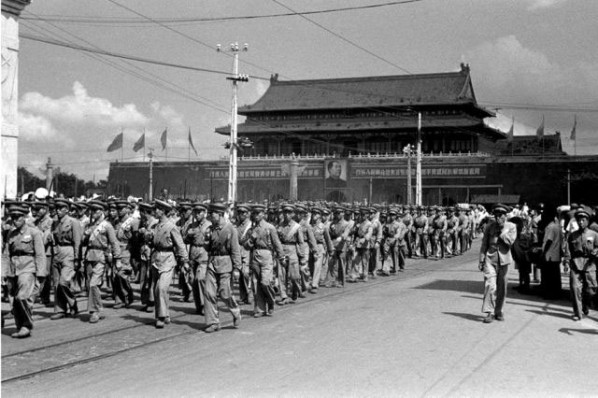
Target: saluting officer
column 28, row 262
column 168, row 250
column 224, row 255
column 263, row 242
column 67, row 235
column 102, row 248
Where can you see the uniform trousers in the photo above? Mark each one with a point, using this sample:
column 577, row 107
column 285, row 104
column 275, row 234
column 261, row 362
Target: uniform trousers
column 163, row 279
column 45, row 288
column 583, row 291
column 421, row 243
column 147, row 283
column 291, row 273
column 218, row 285
column 551, row 279
column 245, row 289
column 361, row 264
column 23, row 286
column 337, row 267
column 198, row 285
column 262, row 272
column 391, row 251
column 317, row 260
column 451, row 242
column 495, row 287
column 95, row 279
column 64, row 298
column 375, row 264
column 438, row 243
column 121, row 285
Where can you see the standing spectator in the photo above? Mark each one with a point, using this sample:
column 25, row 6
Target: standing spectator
column 495, row 257
column 520, row 252
column 552, row 248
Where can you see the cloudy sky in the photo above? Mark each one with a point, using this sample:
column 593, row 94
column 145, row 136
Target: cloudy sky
column 529, row 58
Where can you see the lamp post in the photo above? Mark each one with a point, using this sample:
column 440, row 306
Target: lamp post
column 418, row 168
column 408, row 150
column 235, row 78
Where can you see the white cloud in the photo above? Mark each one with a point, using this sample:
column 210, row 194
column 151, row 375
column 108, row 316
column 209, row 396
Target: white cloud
column 540, row 4
column 514, row 74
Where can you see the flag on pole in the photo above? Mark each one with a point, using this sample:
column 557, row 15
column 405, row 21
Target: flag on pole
column 191, row 143
column 164, row 139
column 511, row 131
column 140, row 143
column 574, row 130
column 117, row 143
column 540, row 131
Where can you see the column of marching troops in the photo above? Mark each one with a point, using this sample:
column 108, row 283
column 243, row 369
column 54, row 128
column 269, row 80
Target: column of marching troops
column 276, row 253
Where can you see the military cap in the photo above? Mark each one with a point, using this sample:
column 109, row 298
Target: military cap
column 242, row 207
column 146, row 206
column 185, row 205
column 198, row 206
column 62, row 202
column 18, row 210
column 81, row 204
column 258, row 208
column 338, row 209
column 364, row 209
column 392, row 212
column 97, row 205
column 120, row 203
column 300, row 208
column 325, row 211
column 316, row 210
column 582, row 213
column 500, row 208
column 39, row 203
column 160, row 204
column 217, row 207
column 288, row 207
column 450, row 208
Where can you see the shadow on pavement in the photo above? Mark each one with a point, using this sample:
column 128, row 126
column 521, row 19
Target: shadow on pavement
column 550, row 313
column 454, row 285
column 571, row 331
column 467, row 316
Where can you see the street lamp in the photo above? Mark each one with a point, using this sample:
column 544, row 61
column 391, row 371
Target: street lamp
column 408, row 150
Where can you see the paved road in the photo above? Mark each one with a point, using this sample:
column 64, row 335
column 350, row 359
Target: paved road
column 417, row 334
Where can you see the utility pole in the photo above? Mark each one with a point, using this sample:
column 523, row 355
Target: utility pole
column 49, row 174
column 408, row 150
column 235, row 78
column 418, row 169
column 293, row 178
column 569, row 187
column 151, row 176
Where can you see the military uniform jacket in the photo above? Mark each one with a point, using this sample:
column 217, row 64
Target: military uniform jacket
column 146, row 237
column 168, row 246
column 102, row 244
column 223, row 248
column 322, row 236
column 26, row 251
column 439, row 222
column 308, row 235
column 497, row 242
column 363, row 234
column 198, row 237
column 263, row 236
column 242, row 230
column 67, row 235
column 45, row 226
column 463, row 222
column 452, row 222
column 127, row 234
column 377, row 235
column 339, row 233
column 421, row 223
column 581, row 251
column 395, row 232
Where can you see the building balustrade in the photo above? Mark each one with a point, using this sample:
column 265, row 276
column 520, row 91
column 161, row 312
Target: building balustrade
column 322, row 156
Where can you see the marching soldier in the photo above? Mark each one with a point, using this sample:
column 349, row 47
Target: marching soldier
column 323, row 248
column 408, row 221
column 361, row 244
column 168, row 250
column 127, row 230
column 243, row 223
column 263, row 242
column 147, row 284
column 198, row 237
column 309, row 245
column 420, row 224
column 43, row 222
column 463, row 228
column 291, row 237
column 375, row 242
column 224, row 256
column 67, row 241
column 395, row 232
column 339, row 234
column 184, row 223
column 102, row 248
column 452, row 221
column 28, row 262
column 438, row 231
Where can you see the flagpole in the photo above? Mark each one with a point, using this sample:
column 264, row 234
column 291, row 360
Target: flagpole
column 122, row 147
column 189, row 144
column 144, row 144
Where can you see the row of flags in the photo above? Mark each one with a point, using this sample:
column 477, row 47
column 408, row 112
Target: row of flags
column 117, row 143
column 540, row 130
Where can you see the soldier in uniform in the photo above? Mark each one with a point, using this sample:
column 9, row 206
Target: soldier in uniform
column 495, row 258
column 361, row 244
column 168, row 250
column 451, row 232
column 323, row 248
column 243, row 224
column 375, row 242
column 184, row 223
column 147, row 284
column 127, row 231
column 463, row 231
column 198, row 237
column 395, row 232
column 291, row 238
column 420, row 224
column 28, row 262
column 43, row 222
column 263, row 243
column 408, row 221
column 339, row 234
column 102, row 248
column 326, row 258
column 438, row 231
column 309, row 245
column 224, row 256
column 581, row 256
column 67, row 236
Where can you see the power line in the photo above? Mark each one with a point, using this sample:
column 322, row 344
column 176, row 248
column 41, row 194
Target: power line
column 531, row 107
column 116, row 21
column 341, row 37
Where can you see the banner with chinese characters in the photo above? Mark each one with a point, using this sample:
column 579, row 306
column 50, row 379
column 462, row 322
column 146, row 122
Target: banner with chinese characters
column 269, row 173
column 469, row 171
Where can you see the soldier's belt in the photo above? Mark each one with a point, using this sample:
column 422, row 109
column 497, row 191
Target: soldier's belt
column 22, row 254
column 219, row 255
column 164, row 250
column 65, row 244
